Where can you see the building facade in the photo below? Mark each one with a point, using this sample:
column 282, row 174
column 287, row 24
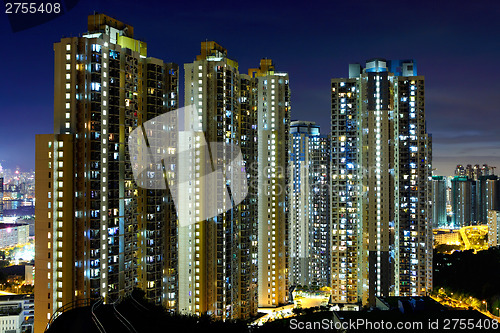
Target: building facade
column 16, row 313
column 474, row 172
column 487, row 197
column 309, row 206
column 439, row 202
column 228, row 255
column 218, row 267
column 380, row 180
column 1, row 198
column 98, row 233
column 273, row 130
column 493, row 228
column 472, row 196
column 13, row 234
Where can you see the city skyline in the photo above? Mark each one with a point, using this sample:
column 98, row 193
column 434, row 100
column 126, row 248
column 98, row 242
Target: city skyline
column 450, row 48
column 220, row 183
column 119, row 139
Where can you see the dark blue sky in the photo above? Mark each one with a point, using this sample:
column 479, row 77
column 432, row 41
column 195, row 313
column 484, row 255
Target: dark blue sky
column 455, row 43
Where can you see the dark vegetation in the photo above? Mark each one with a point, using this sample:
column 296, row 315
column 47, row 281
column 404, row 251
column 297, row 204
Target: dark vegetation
column 464, row 273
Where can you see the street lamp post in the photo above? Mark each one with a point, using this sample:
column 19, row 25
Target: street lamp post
column 486, row 305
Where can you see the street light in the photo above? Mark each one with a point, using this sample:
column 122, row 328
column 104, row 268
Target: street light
column 486, row 304
column 498, row 312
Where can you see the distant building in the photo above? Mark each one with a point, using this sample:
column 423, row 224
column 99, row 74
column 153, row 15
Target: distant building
column 31, row 224
column 439, row 216
column 1, row 198
column 13, row 234
column 446, row 236
column 493, row 228
column 309, row 206
column 16, row 313
column 487, row 196
column 462, row 202
column 11, row 318
column 474, row 172
column 29, row 274
column 472, row 195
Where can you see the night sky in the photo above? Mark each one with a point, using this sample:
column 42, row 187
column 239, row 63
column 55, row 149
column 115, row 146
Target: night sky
column 456, row 45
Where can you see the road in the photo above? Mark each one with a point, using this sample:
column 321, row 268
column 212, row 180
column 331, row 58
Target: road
column 448, row 301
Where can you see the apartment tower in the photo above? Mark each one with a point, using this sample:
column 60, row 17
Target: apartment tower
column 273, row 127
column 98, row 233
column 217, row 255
column 493, row 228
column 380, row 179
column 439, row 216
column 222, row 254
column 309, row 225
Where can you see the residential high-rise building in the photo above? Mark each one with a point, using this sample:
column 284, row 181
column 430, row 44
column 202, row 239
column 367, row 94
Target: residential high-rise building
column 474, row 172
column 462, row 201
column 217, row 256
column 272, row 102
column 487, row 196
column 460, row 170
column 380, row 182
column 309, row 225
column 439, row 215
column 472, row 198
column 1, row 198
column 98, row 233
column 493, row 228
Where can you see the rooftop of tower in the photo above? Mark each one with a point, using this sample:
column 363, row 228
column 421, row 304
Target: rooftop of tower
column 266, row 67
column 98, row 22
column 303, row 126
column 118, row 32
column 211, row 49
column 405, row 67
